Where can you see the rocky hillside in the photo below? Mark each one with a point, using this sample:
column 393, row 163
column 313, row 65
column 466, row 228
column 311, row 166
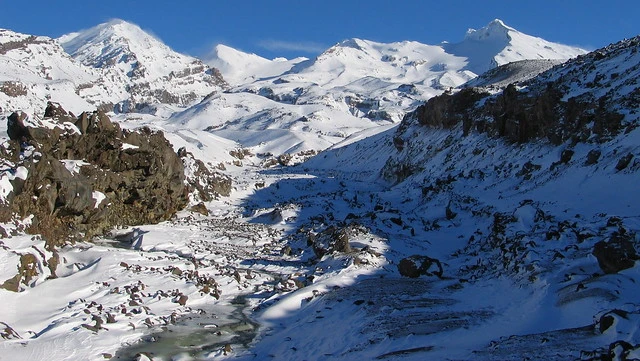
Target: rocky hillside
column 82, row 176
column 529, row 191
column 74, row 178
column 591, row 99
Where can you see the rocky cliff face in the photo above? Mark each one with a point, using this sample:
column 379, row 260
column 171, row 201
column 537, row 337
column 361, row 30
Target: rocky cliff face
column 589, row 99
column 85, row 175
column 66, row 178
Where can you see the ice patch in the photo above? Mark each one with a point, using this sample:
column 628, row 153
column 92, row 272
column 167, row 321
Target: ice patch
column 73, row 166
column 99, row 197
column 126, row 146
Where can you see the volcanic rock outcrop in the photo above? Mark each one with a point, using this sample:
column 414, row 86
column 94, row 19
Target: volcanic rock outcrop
column 85, row 175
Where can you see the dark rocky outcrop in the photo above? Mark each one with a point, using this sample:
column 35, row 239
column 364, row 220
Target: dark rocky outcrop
column 120, row 178
column 521, row 116
column 13, row 88
column 16, row 130
column 545, row 106
column 617, row 254
column 593, row 156
column 417, row 265
column 335, row 239
column 624, row 161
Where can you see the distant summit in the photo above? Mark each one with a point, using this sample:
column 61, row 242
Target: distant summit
column 496, row 30
column 149, row 71
column 498, row 44
column 239, row 67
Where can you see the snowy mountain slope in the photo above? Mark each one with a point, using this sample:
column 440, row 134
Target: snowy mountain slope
column 515, row 72
column 145, row 69
column 238, row 67
column 269, row 126
column 525, row 233
column 498, row 44
column 36, row 68
column 359, row 84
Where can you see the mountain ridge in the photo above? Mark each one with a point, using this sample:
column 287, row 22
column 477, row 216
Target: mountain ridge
column 354, row 85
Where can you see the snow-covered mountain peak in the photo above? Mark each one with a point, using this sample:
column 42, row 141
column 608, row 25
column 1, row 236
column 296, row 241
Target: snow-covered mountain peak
column 113, row 42
column 496, row 30
column 239, row 67
column 229, row 60
column 498, row 44
column 148, row 71
column 354, row 43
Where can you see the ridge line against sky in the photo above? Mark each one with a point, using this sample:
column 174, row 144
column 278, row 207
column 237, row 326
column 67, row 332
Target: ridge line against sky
column 291, row 28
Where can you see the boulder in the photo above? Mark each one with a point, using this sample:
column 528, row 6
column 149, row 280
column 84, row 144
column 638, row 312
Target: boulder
column 417, row 265
column 55, row 111
column 624, row 161
column 593, row 156
column 16, row 129
column 617, row 254
column 335, row 239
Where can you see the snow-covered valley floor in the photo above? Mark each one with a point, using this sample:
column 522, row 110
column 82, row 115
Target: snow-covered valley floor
column 244, row 282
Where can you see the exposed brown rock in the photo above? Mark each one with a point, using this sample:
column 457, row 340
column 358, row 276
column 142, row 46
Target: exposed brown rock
column 138, row 173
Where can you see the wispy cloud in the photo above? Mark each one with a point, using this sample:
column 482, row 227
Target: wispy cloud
column 301, row 46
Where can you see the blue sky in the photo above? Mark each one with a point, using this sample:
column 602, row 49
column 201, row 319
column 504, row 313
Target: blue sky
column 293, row 28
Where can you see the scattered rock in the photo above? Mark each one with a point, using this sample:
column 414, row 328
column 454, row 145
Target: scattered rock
column 449, row 213
column 527, row 170
column 624, row 162
column 28, row 270
column 566, row 156
column 609, row 319
column 8, row 333
column 335, row 239
column 227, row 349
column 200, row 208
column 182, row 300
column 593, row 156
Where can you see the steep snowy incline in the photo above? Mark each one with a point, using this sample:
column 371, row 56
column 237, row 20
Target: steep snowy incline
column 353, row 59
column 36, row 68
column 144, row 66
